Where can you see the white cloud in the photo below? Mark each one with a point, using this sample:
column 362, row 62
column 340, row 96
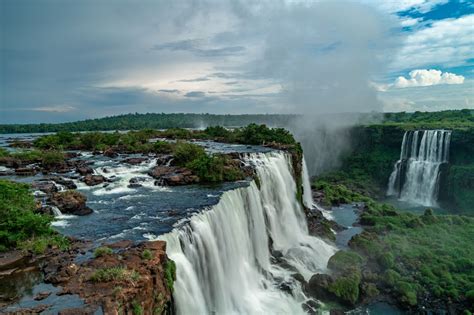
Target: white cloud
column 393, row 6
column 447, row 43
column 54, row 109
column 425, row 77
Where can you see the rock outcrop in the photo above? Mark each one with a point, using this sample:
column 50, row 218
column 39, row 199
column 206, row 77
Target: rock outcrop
column 173, row 176
column 71, row 202
column 92, row 180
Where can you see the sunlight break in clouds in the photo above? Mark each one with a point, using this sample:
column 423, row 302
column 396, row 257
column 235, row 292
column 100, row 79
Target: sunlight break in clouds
column 424, row 77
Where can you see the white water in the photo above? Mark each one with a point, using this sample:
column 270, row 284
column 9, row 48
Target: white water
column 415, row 177
column 223, row 256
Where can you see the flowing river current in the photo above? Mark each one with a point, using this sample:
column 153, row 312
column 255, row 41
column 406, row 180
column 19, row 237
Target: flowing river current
column 224, row 262
column 239, row 247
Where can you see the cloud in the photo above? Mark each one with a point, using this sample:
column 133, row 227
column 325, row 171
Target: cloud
column 168, row 91
column 195, row 94
column 424, row 77
column 195, row 80
column 195, row 46
column 446, row 43
column 54, row 109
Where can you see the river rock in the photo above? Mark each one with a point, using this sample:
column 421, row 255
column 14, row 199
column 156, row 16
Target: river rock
column 136, row 182
column 25, row 171
column 46, row 186
column 134, row 161
column 71, row 202
column 84, row 169
column 92, row 180
column 10, row 162
column 318, row 286
column 173, row 176
column 110, row 153
column 69, row 184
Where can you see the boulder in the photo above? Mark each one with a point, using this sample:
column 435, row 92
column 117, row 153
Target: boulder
column 110, row 153
column 173, row 176
column 25, row 171
column 71, row 202
column 69, row 184
column 10, row 162
column 136, row 182
column 46, row 186
column 318, row 286
column 134, row 161
column 92, row 180
column 164, row 160
column 84, row 170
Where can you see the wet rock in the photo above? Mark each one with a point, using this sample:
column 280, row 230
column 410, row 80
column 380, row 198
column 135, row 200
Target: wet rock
column 311, row 307
column 173, row 176
column 164, row 160
column 135, row 182
column 25, row 171
column 42, row 295
column 92, row 180
column 10, row 162
column 44, row 210
column 318, row 286
column 134, row 161
column 69, row 184
column 71, row 202
column 318, row 225
column 110, row 153
column 48, row 187
column 84, row 170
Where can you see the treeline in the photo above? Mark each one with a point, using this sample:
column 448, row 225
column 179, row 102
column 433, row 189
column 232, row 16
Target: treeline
column 150, row 121
column 448, row 119
column 442, row 119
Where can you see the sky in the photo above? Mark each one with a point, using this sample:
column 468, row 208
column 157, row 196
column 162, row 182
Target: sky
column 70, row 60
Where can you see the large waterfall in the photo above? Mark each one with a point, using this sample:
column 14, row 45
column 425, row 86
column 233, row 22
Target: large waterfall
column 240, row 256
column 415, row 177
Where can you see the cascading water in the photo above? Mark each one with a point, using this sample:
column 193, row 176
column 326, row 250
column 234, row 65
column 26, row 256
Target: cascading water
column 234, row 257
column 415, row 177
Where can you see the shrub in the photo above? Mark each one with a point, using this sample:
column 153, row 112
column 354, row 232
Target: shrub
column 114, row 274
column 147, row 255
column 52, row 158
column 345, row 260
column 186, row 152
column 18, row 220
column 347, row 287
column 170, row 274
column 102, row 251
column 162, row 147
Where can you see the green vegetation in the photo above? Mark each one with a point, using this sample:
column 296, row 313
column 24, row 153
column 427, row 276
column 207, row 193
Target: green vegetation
column 103, row 251
column 154, row 121
column 147, row 255
column 139, row 141
column 170, row 274
column 412, row 256
column 448, row 119
column 47, row 158
column 114, row 274
column 20, row 226
column 137, row 308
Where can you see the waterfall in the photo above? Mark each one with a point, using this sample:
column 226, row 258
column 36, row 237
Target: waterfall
column 415, row 176
column 238, row 255
column 56, row 211
column 307, row 195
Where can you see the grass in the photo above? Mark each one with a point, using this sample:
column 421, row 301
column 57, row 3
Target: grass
column 115, row 274
column 102, row 251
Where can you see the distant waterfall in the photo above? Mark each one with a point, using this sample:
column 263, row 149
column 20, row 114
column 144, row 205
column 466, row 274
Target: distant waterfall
column 235, row 257
column 415, row 176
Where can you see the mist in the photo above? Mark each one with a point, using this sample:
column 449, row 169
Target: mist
column 324, row 56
